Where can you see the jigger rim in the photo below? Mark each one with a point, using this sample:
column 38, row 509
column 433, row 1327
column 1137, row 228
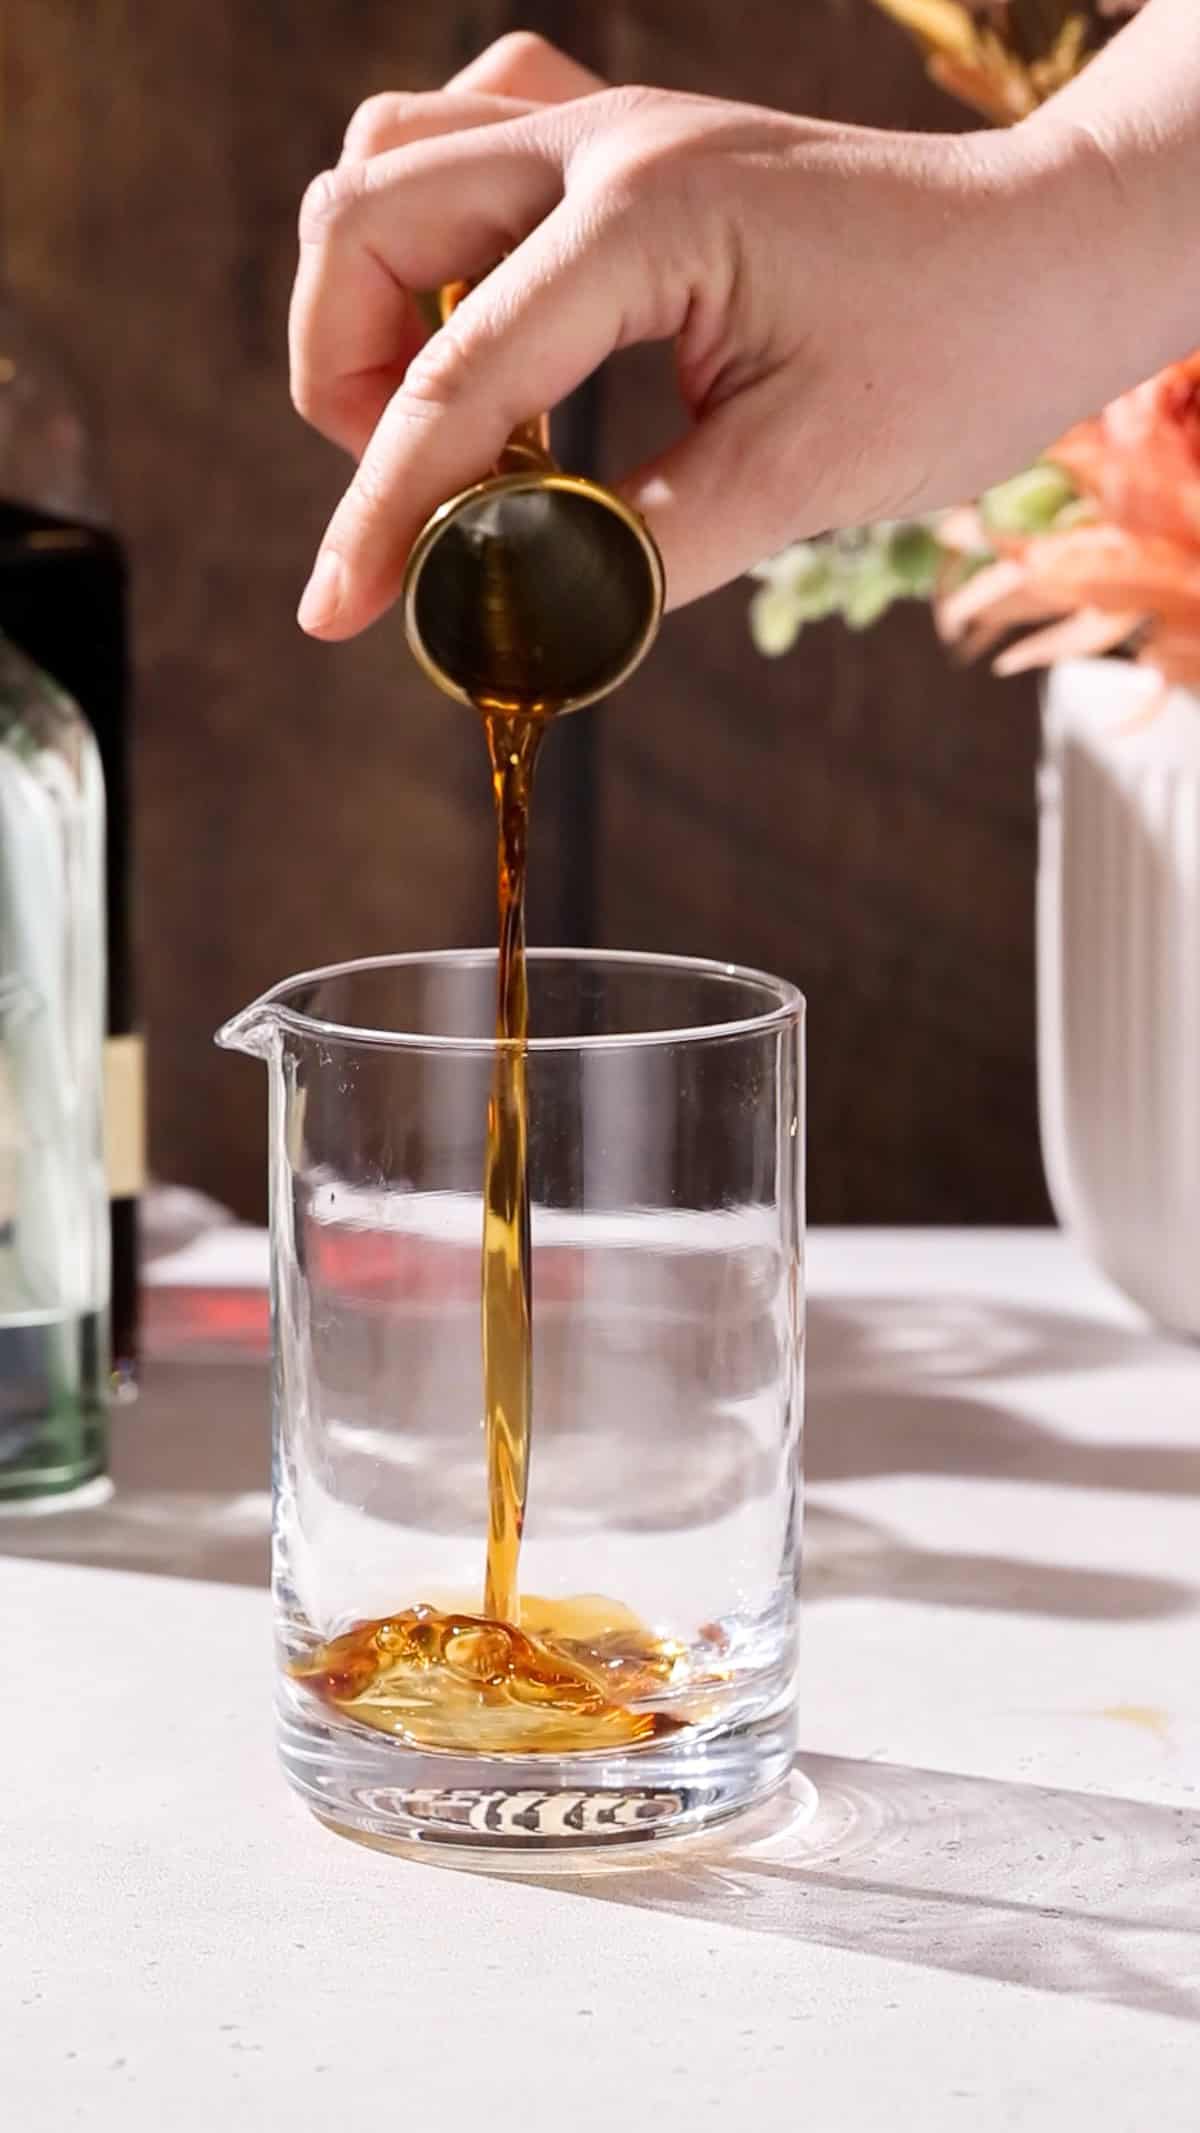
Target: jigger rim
column 528, row 480
column 783, row 1005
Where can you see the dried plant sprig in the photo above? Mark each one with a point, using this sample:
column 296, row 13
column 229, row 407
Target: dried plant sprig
column 1001, row 60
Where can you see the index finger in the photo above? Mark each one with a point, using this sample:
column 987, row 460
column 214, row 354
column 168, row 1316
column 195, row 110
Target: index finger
column 545, row 318
column 444, row 207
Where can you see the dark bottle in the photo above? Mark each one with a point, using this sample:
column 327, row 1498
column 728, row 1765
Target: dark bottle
column 63, row 603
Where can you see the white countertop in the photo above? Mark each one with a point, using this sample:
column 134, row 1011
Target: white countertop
column 993, row 1922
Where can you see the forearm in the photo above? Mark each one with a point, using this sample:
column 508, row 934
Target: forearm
column 1124, row 141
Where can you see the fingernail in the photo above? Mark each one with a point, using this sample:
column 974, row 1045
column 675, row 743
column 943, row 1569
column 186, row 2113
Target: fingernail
column 322, row 596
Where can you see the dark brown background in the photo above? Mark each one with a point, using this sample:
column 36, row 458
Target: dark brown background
column 857, row 816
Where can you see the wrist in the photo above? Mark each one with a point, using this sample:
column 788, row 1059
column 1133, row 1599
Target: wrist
column 1115, row 190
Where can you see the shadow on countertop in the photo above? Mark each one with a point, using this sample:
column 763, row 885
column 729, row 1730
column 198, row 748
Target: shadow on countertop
column 908, row 1384
column 1101, row 1895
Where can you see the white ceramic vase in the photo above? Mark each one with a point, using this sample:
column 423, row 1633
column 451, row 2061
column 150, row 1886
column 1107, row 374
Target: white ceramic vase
column 1119, row 978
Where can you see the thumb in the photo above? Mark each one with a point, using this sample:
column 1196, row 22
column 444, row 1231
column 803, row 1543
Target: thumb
column 523, row 339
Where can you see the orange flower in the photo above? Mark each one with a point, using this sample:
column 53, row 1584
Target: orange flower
column 1125, row 568
column 1140, row 459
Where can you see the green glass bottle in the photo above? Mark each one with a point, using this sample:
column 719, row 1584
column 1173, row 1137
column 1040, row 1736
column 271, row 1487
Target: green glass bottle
column 63, row 602
column 54, row 1223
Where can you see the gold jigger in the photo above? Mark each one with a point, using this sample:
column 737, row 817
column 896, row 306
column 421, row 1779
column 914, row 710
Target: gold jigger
column 533, row 590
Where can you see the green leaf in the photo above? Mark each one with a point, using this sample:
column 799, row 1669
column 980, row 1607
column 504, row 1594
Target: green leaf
column 1030, row 503
column 775, row 621
column 870, row 596
column 914, row 556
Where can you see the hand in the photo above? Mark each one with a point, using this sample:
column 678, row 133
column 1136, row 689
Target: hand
column 853, row 312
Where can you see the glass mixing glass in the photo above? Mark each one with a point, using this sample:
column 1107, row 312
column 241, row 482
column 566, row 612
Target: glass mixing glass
column 649, row 1685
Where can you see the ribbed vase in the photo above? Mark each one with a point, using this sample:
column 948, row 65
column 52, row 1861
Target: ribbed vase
column 1119, row 977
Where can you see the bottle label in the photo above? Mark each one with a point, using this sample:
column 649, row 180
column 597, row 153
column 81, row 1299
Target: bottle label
column 125, row 1116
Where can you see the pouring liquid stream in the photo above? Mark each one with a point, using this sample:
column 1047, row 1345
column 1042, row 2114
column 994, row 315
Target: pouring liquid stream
column 513, row 745
column 520, row 1675
column 524, row 1674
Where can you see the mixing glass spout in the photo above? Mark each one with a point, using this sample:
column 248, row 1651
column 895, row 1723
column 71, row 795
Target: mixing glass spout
column 252, row 1031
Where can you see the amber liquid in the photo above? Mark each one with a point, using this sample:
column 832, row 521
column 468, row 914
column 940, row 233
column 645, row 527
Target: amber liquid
column 564, row 1681
column 507, row 1312
column 525, row 1675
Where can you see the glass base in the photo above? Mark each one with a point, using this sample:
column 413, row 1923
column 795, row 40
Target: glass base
column 38, row 1501
column 544, row 1808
